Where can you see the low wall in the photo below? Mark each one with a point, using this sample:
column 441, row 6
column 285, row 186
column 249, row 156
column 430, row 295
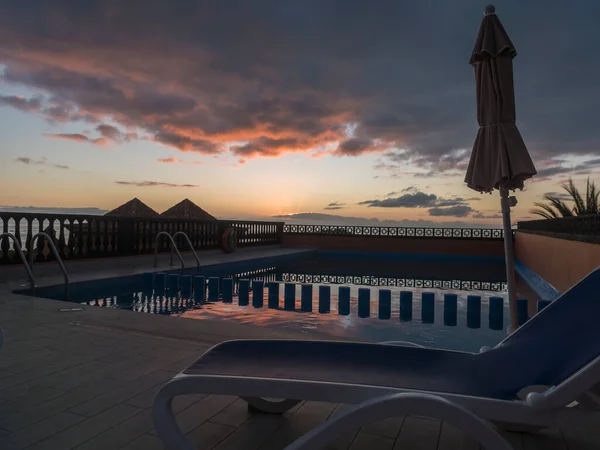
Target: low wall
column 437, row 246
column 561, row 262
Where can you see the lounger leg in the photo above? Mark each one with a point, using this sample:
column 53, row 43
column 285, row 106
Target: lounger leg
column 271, row 405
column 164, row 419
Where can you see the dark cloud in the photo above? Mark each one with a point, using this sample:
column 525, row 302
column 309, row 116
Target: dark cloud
column 335, row 205
column 480, row 215
column 265, row 146
column 431, row 165
column 440, row 206
column 552, row 170
column 22, row 103
column 78, row 137
column 114, row 134
column 186, row 144
column 43, row 161
column 451, row 211
column 208, row 77
column 146, row 183
column 416, row 200
column 356, row 146
column 309, row 218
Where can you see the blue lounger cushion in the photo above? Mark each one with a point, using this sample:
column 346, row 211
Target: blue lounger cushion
column 348, row 362
column 553, row 345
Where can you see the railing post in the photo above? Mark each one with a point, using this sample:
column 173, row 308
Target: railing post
column 127, row 236
column 279, row 238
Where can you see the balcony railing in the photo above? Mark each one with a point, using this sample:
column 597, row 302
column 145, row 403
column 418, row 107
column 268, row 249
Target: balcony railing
column 88, row 236
column 395, row 232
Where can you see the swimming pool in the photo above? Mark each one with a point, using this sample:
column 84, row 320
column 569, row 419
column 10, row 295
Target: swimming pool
column 438, row 301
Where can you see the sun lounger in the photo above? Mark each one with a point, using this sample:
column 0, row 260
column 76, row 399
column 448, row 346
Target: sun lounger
column 539, row 376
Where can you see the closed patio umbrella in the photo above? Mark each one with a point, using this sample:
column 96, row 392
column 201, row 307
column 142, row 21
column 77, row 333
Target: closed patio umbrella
column 499, row 159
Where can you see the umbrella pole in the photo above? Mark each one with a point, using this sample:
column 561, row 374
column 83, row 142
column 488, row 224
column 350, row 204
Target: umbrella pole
column 510, row 260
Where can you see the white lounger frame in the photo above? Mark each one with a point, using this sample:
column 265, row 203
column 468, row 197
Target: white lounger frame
column 546, row 409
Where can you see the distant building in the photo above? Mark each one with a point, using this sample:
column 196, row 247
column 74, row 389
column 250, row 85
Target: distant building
column 133, row 208
column 186, row 209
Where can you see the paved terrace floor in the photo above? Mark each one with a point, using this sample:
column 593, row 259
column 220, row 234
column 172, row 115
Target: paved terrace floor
column 86, row 380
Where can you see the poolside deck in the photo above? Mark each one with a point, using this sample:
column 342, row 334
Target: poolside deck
column 86, row 380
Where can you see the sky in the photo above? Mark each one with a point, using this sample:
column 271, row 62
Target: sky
column 319, row 110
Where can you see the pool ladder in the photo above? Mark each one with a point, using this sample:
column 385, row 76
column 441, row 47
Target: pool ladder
column 29, row 265
column 23, row 259
column 59, row 260
column 174, row 247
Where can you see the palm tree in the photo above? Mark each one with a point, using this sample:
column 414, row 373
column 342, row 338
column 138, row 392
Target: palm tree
column 583, row 205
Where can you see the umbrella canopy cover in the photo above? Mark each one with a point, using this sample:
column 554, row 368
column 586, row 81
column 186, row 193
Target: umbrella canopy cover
column 499, row 158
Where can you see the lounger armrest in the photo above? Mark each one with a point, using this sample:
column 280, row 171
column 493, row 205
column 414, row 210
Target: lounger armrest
column 570, row 390
column 398, row 405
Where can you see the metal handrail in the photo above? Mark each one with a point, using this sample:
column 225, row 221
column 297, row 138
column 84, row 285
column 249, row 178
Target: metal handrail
column 173, row 247
column 54, row 251
column 23, row 259
column 187, row 238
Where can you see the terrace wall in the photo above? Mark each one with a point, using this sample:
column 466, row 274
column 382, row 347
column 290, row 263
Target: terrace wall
column 465, row 242
column 559, row 259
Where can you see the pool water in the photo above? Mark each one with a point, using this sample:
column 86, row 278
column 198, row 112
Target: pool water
column 445, row 323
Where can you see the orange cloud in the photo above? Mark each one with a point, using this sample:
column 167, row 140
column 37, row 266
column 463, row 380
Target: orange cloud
column 173, row 160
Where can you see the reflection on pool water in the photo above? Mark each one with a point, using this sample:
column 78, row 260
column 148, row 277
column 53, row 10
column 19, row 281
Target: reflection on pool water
column 446, row 319
column 448, row 328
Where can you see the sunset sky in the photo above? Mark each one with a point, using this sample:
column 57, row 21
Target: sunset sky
column 254, row 109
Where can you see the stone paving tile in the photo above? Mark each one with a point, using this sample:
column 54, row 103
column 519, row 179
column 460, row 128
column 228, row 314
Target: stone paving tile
column 306, row 418
column 548, row 440
column 145, row 442
column 585, row 436
column 366, row 441
column 234, row 415
column 108, row 370
column 144, row 399
column 452, row 438
column 48, row 372
column 254, row 432
column 6, row 374
column 155, row 363
column 39, row 431
column 514, row 439
column 418, row 433
column 179, row 366
column 39, row 412
column 29, row 361
column 73, row 376
column 118, row 395
column 209, row 434
column 87, row 429
column 30, row 399
column 194, row 416
column 389, row 427
column 342, row 442
column 121, row 434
